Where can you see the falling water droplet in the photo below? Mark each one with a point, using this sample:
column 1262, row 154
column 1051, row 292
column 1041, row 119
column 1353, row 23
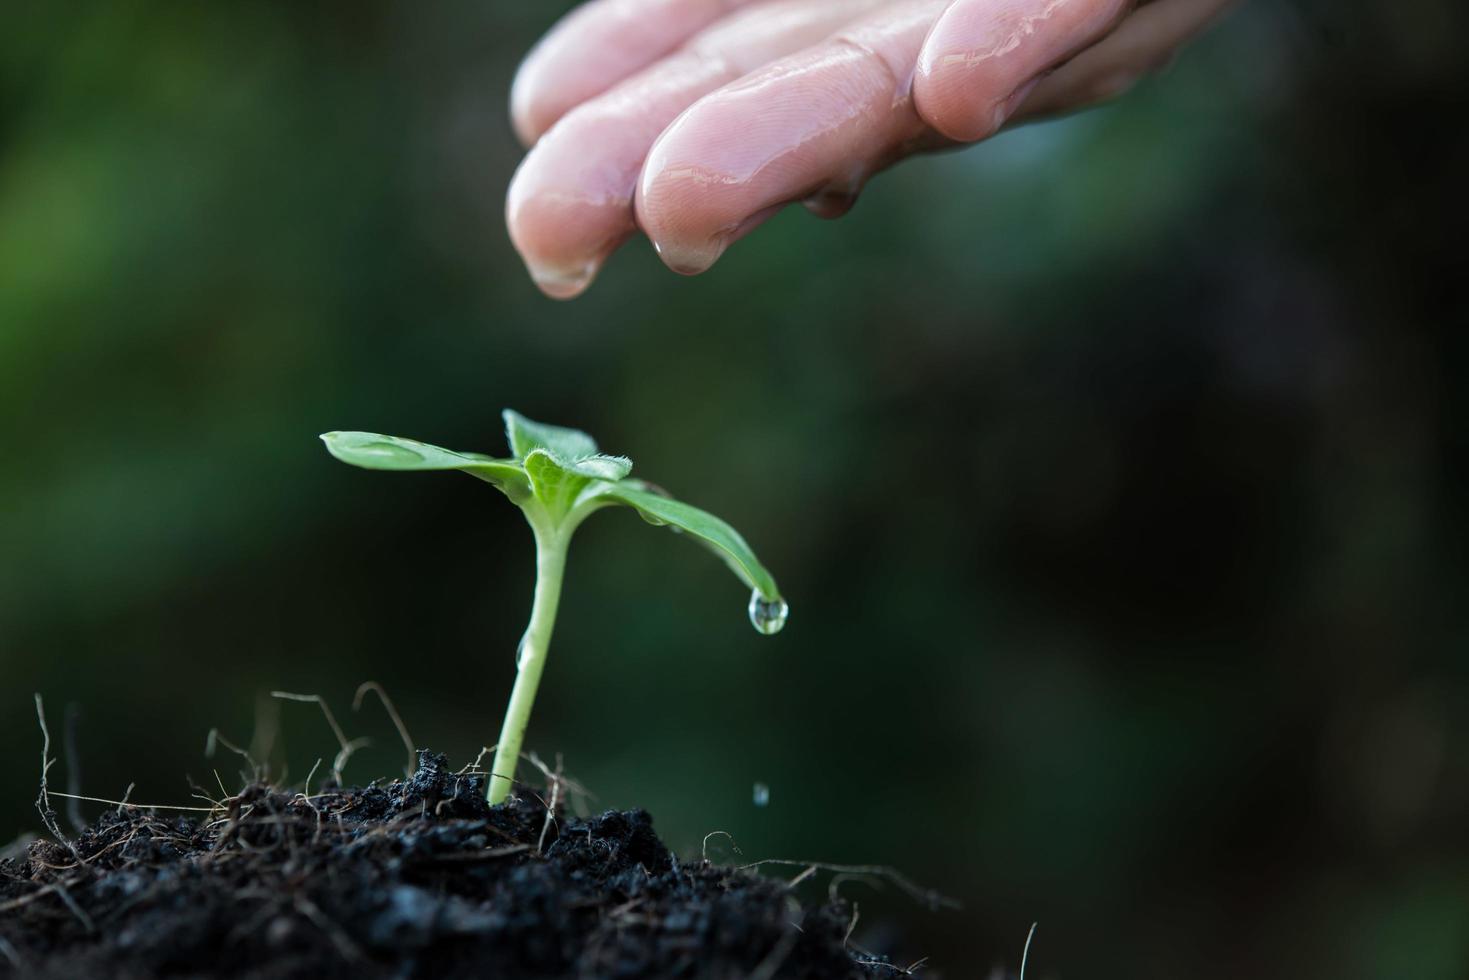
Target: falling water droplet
column 768, row 616
column 388, row 450
column 762, row 794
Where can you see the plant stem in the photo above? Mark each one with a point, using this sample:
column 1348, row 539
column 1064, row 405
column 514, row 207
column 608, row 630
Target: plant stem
column 551, row 547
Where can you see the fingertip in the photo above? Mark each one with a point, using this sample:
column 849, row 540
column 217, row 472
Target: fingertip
column 521, row 119
column 690, row 228
column 532, row 112
column 980, row 59
column 596, row 46
column 956, row 91
column 561, row 265
column 667, row 205
column 817, row 121
column 571, row 202
column 562, row 238
column 948, row 113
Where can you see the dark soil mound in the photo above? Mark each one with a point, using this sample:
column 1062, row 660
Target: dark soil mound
column 419, row 878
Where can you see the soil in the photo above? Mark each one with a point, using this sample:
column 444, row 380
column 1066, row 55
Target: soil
column 417, row 878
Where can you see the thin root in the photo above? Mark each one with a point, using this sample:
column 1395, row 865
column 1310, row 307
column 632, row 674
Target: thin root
column 550, row 807
column 934, row 900
column 43, row 801
column 306, row 791
column 120, row 804
column 475, row 765
column 347, row 747
column 734, row 845
column 257, row 774
column 782, row 950
column 382, row 696
column 71, row 903
column 59, row 890
column 267, row 727
column 345, row 946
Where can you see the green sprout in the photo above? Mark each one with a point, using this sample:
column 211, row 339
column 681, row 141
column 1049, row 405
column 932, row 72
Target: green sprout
column 557, row 477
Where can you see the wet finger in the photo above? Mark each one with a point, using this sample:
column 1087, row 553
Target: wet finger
column 815, row 124
column 983, row 57
column 596, row 46
column 571, row 202
column 1144, row 43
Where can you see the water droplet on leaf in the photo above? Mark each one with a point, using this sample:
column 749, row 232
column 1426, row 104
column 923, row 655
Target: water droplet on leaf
column 519, row 652
column 768, row 616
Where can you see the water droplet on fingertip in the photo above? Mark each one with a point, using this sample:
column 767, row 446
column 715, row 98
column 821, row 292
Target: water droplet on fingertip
column 768, row 616
column 564, row 283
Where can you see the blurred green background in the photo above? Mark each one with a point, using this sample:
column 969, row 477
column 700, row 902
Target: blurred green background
column 1114, row 471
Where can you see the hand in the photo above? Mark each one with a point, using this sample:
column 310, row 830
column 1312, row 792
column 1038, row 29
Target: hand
column 696, row 120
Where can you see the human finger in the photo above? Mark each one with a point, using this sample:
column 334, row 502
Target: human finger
column 983, row 57
column 1144, row 43
column 596, row 46
column 570, row 203
column 815, row 124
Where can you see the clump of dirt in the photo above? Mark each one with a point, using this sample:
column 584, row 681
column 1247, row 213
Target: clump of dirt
column 417, row 878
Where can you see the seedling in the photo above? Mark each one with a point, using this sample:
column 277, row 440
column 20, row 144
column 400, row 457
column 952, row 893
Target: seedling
column 558, row 479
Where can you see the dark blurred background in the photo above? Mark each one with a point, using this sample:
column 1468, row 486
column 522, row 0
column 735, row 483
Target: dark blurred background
column 1114, row 471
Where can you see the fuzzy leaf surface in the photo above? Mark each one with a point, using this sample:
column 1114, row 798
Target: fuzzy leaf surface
column 526, row 436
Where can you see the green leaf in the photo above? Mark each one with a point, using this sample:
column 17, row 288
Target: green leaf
column 373, row 451
column 709, row 530
column 554, row 484
column 610, row 468
column 566, row 445
column 558, row 476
